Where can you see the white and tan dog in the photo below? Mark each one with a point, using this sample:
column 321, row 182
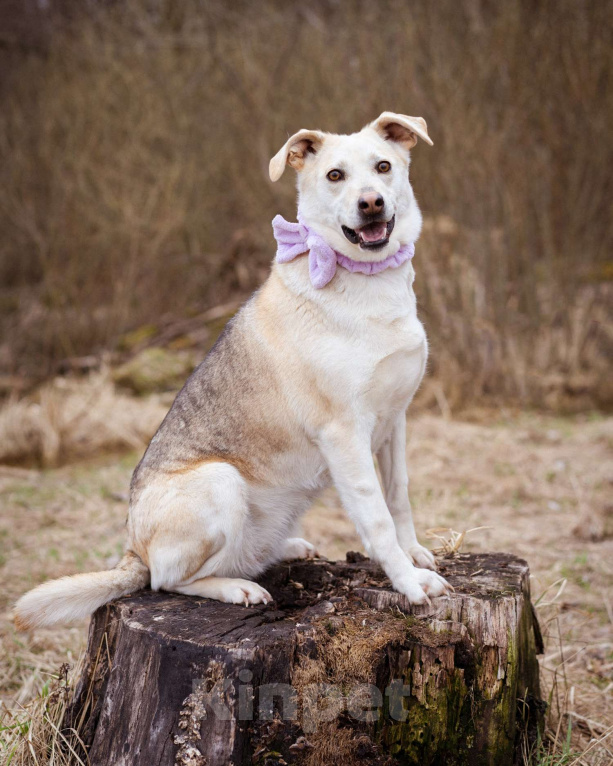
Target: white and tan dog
column 308, row 380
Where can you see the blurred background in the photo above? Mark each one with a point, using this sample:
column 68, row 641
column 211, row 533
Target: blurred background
column 135, row 217
column 134, row 145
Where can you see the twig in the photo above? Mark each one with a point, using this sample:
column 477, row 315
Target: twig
column 592, row 745
column 593, row 726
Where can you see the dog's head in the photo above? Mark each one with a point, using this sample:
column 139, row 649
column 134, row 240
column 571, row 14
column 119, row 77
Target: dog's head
column 355, row 190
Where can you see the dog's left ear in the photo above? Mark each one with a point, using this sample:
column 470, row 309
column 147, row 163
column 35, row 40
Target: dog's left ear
column 402, row 129
column 294, row 152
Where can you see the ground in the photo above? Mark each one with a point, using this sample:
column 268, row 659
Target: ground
column 536, row 485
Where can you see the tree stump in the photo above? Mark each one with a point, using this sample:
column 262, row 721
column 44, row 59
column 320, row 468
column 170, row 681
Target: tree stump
column 339, row 670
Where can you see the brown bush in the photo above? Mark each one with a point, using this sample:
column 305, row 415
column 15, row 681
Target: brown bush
column 134, row 147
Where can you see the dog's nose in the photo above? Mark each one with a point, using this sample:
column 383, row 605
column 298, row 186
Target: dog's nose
column 371, row 203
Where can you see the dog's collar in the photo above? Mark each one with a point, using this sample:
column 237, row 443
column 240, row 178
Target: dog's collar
column 293, row 239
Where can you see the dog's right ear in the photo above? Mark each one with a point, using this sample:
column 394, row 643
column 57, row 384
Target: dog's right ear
column 294, row 152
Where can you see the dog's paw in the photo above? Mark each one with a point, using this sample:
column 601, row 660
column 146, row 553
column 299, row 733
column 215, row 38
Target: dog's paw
column 432, row 583
column 297, row 548
column 422, row 557
column 245, row 592
column 410, row 587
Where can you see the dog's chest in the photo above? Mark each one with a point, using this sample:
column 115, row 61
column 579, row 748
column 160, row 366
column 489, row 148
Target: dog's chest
column 379, row 367
column 398, row 362
column 362, row 342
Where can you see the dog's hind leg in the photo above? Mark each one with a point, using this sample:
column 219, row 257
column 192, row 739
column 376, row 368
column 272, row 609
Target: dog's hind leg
column 230, row 590
column 197, row 543
column 297, row 548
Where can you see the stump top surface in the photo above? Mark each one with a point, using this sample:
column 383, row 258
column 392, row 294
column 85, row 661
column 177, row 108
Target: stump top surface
column 309, row 587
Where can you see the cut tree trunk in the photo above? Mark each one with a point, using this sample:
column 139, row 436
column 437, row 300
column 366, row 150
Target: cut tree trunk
column 339, row 670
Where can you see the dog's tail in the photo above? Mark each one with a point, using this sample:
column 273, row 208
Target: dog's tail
column 75, row 597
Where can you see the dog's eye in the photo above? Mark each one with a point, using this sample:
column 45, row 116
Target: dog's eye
column 384, row 166
column 335, row 175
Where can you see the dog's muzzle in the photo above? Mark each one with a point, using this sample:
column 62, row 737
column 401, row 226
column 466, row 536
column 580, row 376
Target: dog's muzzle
column 371, row 236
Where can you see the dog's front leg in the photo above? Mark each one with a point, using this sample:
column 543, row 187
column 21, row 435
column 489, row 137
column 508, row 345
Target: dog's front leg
column 349, row 459
column 393, row 466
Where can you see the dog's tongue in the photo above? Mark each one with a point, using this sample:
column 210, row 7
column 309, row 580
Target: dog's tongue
column 373, row 232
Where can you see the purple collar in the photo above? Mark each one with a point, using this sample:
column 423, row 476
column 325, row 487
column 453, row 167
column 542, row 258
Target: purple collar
column 293, row 239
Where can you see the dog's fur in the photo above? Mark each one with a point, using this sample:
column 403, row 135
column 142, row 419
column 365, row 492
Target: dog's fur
column 298, row 392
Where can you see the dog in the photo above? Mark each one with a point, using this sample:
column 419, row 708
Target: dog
column 312, row 376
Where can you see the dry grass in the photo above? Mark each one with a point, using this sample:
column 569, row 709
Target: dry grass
column 134, row 145
column 348, row 652
column 557, row 359
column 526, row 478
column 33, row 734
column 75, row 419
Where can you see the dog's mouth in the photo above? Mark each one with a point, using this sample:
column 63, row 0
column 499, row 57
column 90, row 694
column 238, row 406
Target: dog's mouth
column 372, row 236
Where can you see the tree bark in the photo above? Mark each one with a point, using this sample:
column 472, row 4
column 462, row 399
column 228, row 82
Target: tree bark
column 339, row 670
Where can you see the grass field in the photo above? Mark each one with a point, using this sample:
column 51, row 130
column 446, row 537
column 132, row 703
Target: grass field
column 541, row 487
